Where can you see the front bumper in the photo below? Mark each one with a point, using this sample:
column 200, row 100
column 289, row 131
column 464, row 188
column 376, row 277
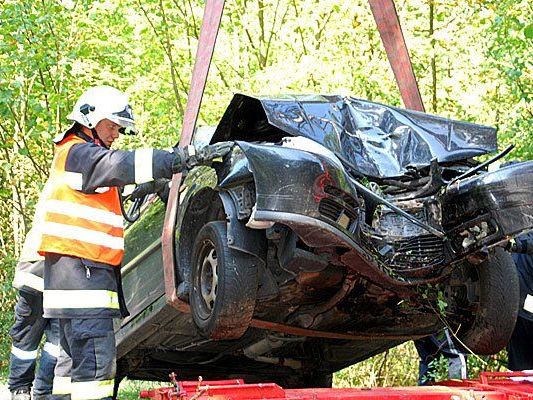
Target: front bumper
column 485, row 210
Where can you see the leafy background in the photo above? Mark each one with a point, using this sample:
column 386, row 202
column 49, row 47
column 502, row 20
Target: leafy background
column 472, row 59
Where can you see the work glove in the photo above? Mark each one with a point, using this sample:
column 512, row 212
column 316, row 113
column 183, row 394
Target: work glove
column 520, row 246
column 158, row 186
column 188, row 157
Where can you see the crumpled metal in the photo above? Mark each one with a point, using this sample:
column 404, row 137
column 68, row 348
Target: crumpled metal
column 375, row 140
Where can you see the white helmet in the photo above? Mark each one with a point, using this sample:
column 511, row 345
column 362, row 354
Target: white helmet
column 103, row 102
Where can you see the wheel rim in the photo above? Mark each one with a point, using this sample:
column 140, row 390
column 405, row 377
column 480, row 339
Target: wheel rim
column 463, row 298
column 207, row 278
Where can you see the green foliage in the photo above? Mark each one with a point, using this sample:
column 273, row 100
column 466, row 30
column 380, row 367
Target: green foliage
column 395, row 367
column 129, row 390
column 433, row 295
column 399, row 367
column 438, row 369
column 7, row 303
column 509, row 62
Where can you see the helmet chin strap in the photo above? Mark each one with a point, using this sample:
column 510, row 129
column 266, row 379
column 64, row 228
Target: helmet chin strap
column 97, row 139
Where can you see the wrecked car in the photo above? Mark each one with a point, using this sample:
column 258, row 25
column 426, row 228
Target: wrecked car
column 336, row 229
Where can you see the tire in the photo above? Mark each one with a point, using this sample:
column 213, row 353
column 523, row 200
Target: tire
column 224, row 285
column 497, row 288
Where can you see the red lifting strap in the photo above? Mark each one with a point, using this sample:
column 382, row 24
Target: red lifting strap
column 204, row 53
column 391, row 34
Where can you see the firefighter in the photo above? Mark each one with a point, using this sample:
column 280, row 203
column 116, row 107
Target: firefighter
column 29, row 327
column 519, row 347
column 82, row 236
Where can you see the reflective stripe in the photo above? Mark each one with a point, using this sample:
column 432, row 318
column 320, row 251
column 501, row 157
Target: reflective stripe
column 453, row 350
column 80, row 299
column 23, row 278
column 143, row 165
column 52, row 349
column 191, row 150
column 24, row 354
column 62, row 385
column 77, row 236
column 85, row 212
column 102, row 189
column 85, row 224
column 528, row 303
column 464, row 371
column 92, row 390
column 451, row 346
column 74, row 180
column 523, row 378
column 83, row 234
column 33, row 238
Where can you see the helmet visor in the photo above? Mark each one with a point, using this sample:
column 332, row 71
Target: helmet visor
column 125, row 119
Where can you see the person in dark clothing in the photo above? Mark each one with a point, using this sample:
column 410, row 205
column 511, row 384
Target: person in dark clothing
column 520, row 349
column 431, row 348
column 26, row 334
column 29, row 327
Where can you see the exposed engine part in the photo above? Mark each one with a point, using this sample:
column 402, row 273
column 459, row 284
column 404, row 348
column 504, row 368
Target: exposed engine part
column 472, row 171
column 368, row 194
column 264, row 346
column 256, row 351
column 294, row 259
column 432, row 186
column 390, row 225
column 394, row 185
column 474, row 234
column 309, row 318
column 244, row 199
column 282, row 362
column 405, row 247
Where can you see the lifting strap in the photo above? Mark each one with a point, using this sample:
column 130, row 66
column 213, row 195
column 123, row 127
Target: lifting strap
column 206, row 44
column 391, row 34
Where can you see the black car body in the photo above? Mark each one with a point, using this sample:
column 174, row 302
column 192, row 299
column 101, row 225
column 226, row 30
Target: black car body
column 336, row 229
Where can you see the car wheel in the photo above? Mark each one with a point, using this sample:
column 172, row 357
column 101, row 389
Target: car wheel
column 224, row 285
column 494, row 286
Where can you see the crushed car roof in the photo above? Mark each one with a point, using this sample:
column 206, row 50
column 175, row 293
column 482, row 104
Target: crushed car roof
column 374, row 139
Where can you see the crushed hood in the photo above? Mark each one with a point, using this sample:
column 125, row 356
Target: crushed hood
column 376, row 140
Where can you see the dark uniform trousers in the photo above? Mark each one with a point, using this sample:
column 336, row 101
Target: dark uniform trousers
column 430, row 349
column 520, row 347
column 83, row 295
column 26, row 334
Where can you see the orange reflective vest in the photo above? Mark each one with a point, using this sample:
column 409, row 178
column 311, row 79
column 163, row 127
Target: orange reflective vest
column 79, row 224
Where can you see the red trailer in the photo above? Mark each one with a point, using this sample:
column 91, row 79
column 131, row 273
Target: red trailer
column 490, row 386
